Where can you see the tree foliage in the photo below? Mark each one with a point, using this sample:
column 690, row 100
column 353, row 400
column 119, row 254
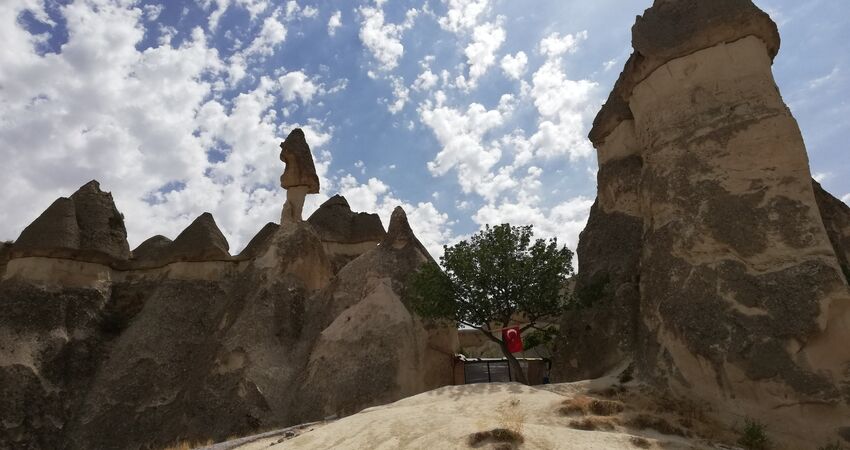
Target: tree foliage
column 493, row 276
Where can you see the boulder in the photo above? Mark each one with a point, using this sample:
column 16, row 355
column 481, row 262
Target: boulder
column 709, row 261
column 344, row 233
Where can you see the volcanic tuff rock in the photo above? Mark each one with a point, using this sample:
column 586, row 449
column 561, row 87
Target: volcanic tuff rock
column 372, row 349
column 709, row 260
column 299, row 176
column 184, row 342
column 344, row 233
column 86, row 226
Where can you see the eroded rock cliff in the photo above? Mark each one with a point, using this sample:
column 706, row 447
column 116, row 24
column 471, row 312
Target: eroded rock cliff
column 710, row 261
column 178, row 340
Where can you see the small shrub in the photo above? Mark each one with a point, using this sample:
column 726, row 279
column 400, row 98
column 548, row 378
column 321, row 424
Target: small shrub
column 832, row 446
column 640, row 442
column 582, row 405
column 659, row 424
column 606, row 407
column 496, row 435
column 753, row 436
column 592, row 424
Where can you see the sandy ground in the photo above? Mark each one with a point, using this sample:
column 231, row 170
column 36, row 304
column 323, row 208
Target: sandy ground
column 445, row 418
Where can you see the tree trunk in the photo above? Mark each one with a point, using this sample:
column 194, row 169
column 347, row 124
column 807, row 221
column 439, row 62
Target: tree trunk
column 514, row 364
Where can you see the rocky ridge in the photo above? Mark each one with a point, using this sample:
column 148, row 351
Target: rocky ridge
column 710, row 261
column 179, row 340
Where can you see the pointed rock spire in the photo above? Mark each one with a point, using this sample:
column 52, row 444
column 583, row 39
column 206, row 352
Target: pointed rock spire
column 55, row 228
column 259, row 242
column 335, row 222
column 153, row 249
column 202, row 240
column 400, row 235
column 101, row 224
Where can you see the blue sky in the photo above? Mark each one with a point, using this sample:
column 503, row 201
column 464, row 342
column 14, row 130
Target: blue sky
column 464, row 112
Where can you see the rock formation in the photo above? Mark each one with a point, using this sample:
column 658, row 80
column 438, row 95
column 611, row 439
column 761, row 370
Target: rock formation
column 178, row 340
column 372, row 349
column 344, row 233
column 85, row 226
column 299, row 176
column 709, row 260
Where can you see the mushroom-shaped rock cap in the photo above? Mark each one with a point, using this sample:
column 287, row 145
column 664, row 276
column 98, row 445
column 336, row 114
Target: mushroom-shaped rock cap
column 300, row 170
column 335, row 222
column 259, row 242
column 672, row 29
column 200, row 241
column 400, row 235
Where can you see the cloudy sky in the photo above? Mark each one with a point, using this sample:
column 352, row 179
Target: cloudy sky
column 465, row 112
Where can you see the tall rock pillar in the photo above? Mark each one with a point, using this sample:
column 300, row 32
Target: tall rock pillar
column 299, row 177
column 731, row 289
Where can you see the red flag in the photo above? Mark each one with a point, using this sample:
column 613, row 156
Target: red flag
column 512, row 339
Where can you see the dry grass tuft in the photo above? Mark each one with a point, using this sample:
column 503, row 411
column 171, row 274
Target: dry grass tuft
column 592, row 424
column 616, row 391
column 659, row 424
column 583, row 405
column 186, row 445
column 640, row 442
column 497, row 436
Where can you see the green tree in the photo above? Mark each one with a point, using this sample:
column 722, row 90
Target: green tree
column 490, row 278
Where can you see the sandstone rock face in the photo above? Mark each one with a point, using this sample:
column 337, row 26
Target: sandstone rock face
column 344, row 233
column 184, row 342
column 85, row 226
column 259, row 243
column 709, row 260
column 200, row 241
column 372, row 349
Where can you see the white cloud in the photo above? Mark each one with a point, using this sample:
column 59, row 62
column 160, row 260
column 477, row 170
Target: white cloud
column 272, row 34
column 383, row 40
column 514, row 65
column 401, row 94
column 465, row 147
column 297, row 85
column 826, row 79
column 564, row 221
column 820, row 177
column 334, row 22
column 846, row 199
column 555, row 45
column 294, row 11
column 610, row 64
column 254, row 8
column 565, row 106
column 147, row 124
column 481, row 52
column 426, row 81
column 463, row 14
